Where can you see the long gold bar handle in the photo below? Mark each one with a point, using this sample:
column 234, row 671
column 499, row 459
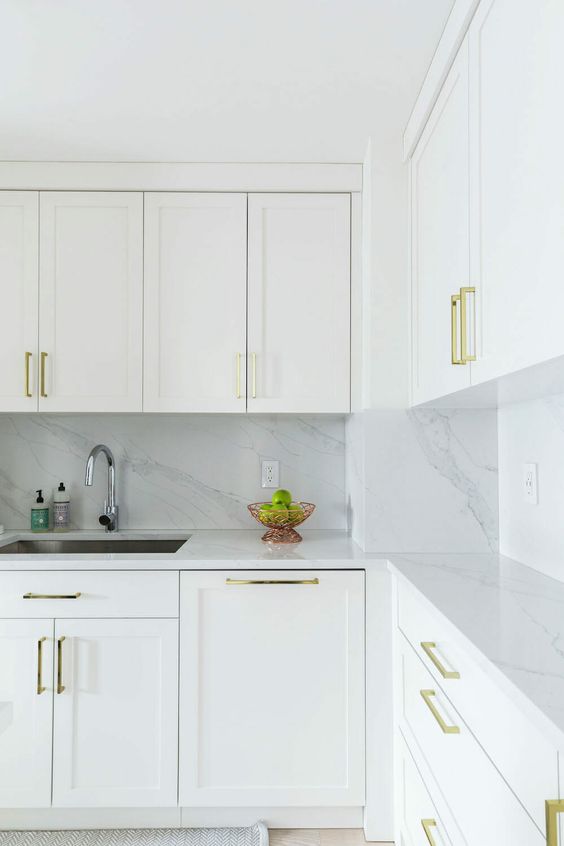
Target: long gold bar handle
column 427, row 646
column 43, row 357
column 454, row 300
column 51, row 595
column 428, row 696
column 271, row 581
column 427, row 826
column 28, row 393
column 464, row 354
column 238, row 358
column 60, row 685
column 254, row 374
column 40, row 687
column 553, row 807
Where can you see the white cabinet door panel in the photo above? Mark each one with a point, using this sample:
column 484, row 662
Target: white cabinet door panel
column 91, row 300
column 272, row 690
column 19, row 243
column 440, row 237
column 116, row 721
column 299, row 303
column 195, row 302
column 26, row 712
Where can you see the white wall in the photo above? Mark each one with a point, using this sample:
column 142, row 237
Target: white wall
column 533, row 432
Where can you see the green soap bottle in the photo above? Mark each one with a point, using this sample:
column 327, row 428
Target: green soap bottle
column 39, row 514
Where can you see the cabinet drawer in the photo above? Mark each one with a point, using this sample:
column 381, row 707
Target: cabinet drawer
column 141, row 593
column 522, row 754
column 486, row 810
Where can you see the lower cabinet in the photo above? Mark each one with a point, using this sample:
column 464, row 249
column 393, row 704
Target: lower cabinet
column 272, row 689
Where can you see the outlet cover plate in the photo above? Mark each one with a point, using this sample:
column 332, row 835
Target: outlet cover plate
column 270, row 473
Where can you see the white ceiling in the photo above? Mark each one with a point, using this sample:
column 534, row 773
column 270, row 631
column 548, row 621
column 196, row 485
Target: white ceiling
column 205, row 80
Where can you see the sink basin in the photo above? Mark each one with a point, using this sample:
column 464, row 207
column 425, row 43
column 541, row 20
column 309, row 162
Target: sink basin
column 60, row 546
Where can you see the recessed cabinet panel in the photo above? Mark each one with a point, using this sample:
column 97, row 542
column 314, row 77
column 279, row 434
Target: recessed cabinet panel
column 26, row 712
column 195, row 302
column 440, row 240
column 116, row 713
column 299, row 303
column 272, row 691
column 19, row 240
column 91, row 301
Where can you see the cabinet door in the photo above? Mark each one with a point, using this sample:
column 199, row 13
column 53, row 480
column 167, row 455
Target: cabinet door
column 299, row 303
column 440, row 239
column 272, row 689
column 26, row 712
column 195, row 302
column 116, row 713
column 91, row 301
column 517, row 66
column 19, row 241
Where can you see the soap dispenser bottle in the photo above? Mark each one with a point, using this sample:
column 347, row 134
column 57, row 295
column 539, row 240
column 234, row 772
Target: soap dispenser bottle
column 39, row 514
column 61, row 509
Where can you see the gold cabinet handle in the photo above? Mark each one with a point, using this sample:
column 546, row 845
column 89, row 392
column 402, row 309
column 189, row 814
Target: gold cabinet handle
column 454, row 301
column 43, row 358
column 254, row 374
column 238, row 359
column 428, row 696
column 427, row 826
column 553, row 807
column 271, row 581
column 60, row 685
column 464, row 354
column 28, row 393
column 40, row 687
column 51, row 595
column 427, row 646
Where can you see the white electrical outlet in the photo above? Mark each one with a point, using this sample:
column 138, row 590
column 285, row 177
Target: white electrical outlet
column 270, row 476
column 530, row 488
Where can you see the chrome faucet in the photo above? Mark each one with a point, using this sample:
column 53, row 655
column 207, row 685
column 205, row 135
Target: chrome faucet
column 109, row 518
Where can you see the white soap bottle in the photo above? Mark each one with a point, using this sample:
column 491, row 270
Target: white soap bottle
column 61, row 509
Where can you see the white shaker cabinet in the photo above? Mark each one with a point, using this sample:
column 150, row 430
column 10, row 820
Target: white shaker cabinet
column 116, row 713
column 517, row 125
column 299, row 303
column 91, row 301
column 19, row 242
column 195, row 302
column 26, row 712
column 272, row 690
column 440, row 241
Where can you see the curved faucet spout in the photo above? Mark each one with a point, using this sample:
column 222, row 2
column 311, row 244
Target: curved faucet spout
column 109, row 518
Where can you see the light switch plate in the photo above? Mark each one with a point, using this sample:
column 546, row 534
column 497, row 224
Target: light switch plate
column 270, row 475
column 530, row 484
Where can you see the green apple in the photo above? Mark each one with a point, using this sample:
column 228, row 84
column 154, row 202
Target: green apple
column 265, row 512
column 281, row 497
column 279, row 514
column 295, row 511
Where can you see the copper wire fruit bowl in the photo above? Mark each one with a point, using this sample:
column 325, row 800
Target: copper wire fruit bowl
column 281, row 522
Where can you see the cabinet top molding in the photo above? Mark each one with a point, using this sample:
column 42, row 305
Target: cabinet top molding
column 452, row 37
column 179, row 176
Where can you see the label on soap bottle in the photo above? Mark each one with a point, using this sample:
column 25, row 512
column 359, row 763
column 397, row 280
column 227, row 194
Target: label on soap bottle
column 40, row 519
column 61, row 516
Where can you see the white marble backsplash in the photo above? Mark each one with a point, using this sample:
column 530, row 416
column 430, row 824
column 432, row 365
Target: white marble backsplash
column 423, row 480
column 173, row 471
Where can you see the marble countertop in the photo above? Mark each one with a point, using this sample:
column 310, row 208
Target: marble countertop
column 512, row 620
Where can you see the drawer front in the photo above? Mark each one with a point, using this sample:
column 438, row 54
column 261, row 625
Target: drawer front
column 486, row 810
column 501, row 728
column 141, row 593
column 416, row 811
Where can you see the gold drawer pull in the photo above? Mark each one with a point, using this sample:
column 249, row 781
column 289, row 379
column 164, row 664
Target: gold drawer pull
column 464, row 355
column 427, row 826
column 60, row 685
column 271, row 581
column 40, row 688
column 553, row 808
column 427, row 646
column 454, row 301
column 428, row 696
column 43, row 358
column 51, row 595
column 28, row 393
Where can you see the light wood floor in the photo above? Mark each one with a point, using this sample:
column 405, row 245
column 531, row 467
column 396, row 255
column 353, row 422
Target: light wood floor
column 317, row 837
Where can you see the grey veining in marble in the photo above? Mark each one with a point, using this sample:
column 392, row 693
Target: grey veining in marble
column 174, row 471
column 424, row 480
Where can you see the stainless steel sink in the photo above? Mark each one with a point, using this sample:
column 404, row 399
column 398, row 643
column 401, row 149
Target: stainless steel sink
column 61, row 546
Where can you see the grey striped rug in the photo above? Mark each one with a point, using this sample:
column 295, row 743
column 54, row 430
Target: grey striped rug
column 255, row 835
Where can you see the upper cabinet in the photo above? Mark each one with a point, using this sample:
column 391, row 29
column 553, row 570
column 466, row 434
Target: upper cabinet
column 90, row 301
column 299, row 303
column 195, row 302
column 19, row 244
column 441, row 240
